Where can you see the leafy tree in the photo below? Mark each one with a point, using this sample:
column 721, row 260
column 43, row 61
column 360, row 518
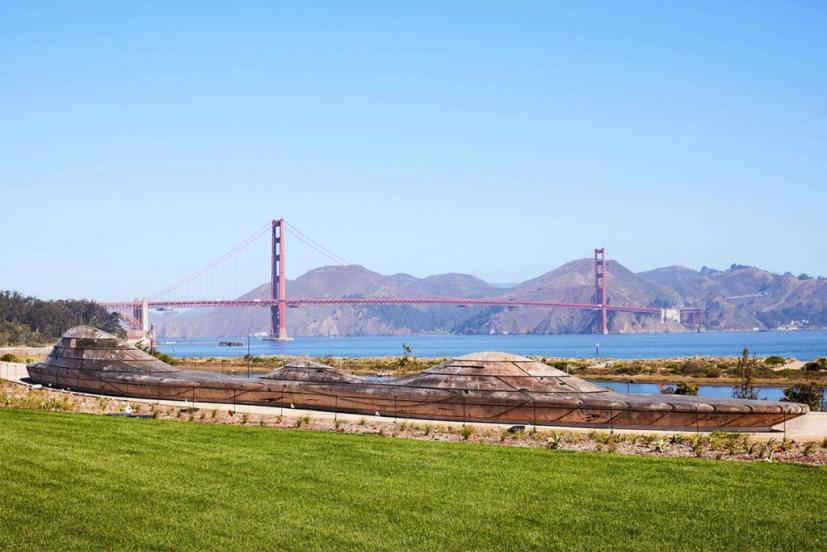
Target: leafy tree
column 745, row 388
column 25, row 319
column 810, row 394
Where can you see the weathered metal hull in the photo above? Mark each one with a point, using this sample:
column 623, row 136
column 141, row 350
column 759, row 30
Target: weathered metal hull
column 484, row 388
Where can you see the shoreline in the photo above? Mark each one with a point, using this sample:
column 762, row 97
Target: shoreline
column 648, row 370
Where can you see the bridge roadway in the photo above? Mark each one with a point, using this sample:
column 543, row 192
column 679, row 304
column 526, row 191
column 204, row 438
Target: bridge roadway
column 456, row 301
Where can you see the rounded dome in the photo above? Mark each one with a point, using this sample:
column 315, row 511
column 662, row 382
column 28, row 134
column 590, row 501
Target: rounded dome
column 89, row 349
column 496, row 371
column 309, row 370
column 493, row 356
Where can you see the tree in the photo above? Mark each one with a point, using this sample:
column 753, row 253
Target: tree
column 406, row 359
column 745, row 388
column 810, row 394
column 26, row 320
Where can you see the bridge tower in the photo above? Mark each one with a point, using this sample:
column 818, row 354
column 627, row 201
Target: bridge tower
column 278, row 293
column 600, row 288
column 140, row 314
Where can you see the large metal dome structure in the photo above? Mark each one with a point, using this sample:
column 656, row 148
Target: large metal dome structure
column 481, row 387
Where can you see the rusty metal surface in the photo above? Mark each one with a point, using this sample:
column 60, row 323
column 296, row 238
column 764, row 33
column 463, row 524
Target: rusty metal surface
column 481, row 387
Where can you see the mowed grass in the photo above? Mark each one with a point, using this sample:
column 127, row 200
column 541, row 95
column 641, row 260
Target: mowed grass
column 73, row 481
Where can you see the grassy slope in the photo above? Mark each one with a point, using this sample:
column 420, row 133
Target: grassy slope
column 69, row 481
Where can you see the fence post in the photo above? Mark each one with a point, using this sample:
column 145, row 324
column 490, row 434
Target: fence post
column 611, row 419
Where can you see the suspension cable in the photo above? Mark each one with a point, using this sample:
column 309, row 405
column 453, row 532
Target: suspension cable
column 213, row 264
column 310, row 242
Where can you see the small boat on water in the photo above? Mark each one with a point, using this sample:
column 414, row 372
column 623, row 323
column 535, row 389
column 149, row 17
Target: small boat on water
column 231, row 344
column 481, row 387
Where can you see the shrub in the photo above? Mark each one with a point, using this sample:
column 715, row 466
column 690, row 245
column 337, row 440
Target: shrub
column 629, row 369
column 769, row 449
column 555, row 440
column 713, row 372
column 691, row 367
column 816, row 365
column 675, row 439
column 466, row 432
column 8, row 357
column 775, row 360
column 810, row 394
column 559, row 364
column 697, row 446
column 684, row 388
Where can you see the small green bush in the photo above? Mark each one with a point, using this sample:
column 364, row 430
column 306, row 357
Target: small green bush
column 8, row 357
column 466, row 432
column 555, row 440
column 692, row 367
column 713, row 372
column 775, row 360
column 684, row 388
column 629, row 369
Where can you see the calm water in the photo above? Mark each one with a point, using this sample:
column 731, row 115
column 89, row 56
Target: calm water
column 723, row 391
column 800, row 345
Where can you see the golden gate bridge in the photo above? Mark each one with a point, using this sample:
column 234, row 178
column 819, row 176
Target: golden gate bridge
column 135, row 314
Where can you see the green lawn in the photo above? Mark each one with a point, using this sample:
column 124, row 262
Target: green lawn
column 73, row 481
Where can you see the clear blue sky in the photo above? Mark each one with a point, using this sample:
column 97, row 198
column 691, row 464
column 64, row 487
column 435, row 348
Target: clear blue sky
column 139, row 142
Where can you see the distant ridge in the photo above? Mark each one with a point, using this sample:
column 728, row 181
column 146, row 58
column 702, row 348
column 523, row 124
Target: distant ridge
column 741, row 298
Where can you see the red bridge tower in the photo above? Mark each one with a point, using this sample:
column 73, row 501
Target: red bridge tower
column 600, row 289
column 278, row 293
